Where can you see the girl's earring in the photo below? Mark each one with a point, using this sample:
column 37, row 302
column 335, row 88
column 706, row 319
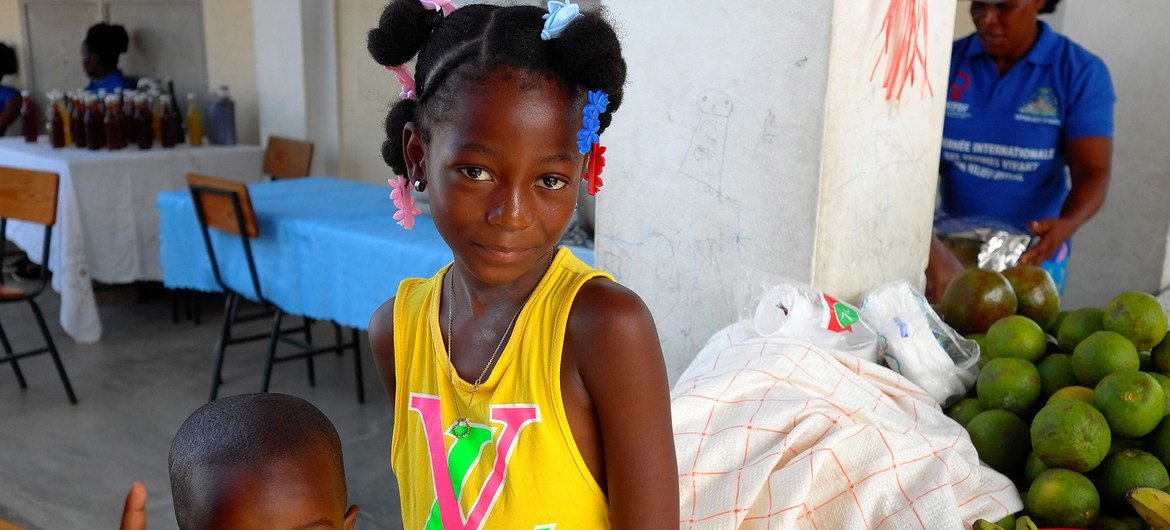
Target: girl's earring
column 420, row 185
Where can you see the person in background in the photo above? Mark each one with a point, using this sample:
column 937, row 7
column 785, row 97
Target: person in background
column 99, row 57
column 9, row 97
column 1024, row 103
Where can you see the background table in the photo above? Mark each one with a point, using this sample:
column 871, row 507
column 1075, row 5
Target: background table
column 328, row 248
column 107, row 225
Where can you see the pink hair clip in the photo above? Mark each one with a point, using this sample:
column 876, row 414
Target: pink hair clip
column 405, row 79
column 447, row 6
column 593, row 170
column 403, row 202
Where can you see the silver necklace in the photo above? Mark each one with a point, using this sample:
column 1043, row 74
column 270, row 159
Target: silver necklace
column 462, row 427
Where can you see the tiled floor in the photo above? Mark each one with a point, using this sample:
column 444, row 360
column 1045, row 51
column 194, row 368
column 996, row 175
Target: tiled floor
column 68, row 466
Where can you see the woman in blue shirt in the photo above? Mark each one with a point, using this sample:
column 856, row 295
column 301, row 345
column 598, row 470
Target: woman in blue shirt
column 99, row 57
column 9, row 97
column 1024, row 104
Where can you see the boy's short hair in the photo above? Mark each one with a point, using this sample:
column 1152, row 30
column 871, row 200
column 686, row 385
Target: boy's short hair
column 250, row 431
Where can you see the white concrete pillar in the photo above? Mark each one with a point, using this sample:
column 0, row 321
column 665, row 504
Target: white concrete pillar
column 296, row 74
column 766, row 144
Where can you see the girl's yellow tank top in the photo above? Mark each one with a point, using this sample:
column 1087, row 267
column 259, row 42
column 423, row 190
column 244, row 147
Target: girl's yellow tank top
column 518, row 467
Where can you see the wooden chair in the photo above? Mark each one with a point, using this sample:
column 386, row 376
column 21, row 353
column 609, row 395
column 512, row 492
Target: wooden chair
column 29, row 196
column 287, row 158
column 225, row 206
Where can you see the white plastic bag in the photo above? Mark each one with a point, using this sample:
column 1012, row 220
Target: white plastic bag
column 781, row 307
column 918, row 344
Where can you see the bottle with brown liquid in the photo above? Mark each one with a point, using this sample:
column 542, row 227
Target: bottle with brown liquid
column 168, row 122
column 143, row 122
column 128, row 116
column 95, row 137
column 194, row 122
column 28, row 117
column 113, row 122
column 77, row 120
column 54, row 122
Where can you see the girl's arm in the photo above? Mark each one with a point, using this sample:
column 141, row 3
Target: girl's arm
column 620, row 363
column 382, row 345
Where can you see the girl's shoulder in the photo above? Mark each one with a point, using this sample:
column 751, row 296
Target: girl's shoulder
column 609, row 320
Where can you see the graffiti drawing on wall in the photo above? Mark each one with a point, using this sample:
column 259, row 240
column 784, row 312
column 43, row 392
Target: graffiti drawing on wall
column 902, row 60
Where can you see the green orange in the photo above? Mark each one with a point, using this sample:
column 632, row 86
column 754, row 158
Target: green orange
column 1001, row 439
column 1138, row 317
column 1008, row 384
column 1062, row 498
column 1070, row 434
column 1077, row 326
column 1125, row 470
column 1018, row 337
column 1132, row 402
column 1101, row 354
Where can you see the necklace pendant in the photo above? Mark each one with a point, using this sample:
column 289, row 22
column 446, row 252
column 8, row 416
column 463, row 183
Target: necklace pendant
column 461, row 428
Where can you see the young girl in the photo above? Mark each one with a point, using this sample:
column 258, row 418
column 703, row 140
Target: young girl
column 9, row 97
column 529, row 389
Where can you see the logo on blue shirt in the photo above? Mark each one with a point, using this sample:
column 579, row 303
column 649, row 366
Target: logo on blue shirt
column 1040, row 107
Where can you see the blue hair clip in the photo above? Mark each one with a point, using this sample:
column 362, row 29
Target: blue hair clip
column 596, row 104
column 560, row 15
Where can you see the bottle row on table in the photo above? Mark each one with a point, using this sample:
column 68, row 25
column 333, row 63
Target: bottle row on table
column 125, row 118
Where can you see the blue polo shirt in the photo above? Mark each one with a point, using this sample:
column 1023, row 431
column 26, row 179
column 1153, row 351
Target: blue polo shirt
column 7, row 93
column 1003, row 153
column 111, row 81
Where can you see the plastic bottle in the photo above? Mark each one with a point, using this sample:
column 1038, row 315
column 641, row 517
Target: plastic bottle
column 219, row 116
column 63, row 108
column 167, row 122
column 155, row 113
column 54, row 123
column 94, row 127
column 143, row 122
column 128, row 116
column 113, row 122
column 28, row 117
column 77, row 120
column 194, row 122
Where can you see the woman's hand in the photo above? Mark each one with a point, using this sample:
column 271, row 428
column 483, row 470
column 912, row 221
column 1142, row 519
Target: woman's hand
column 1053, row 232
column 941, row 267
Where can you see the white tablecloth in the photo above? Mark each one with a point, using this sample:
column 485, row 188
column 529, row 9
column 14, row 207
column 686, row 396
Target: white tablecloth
column 107, row 223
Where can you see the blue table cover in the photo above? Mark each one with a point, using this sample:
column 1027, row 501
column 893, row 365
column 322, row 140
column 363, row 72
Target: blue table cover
column 328, row 248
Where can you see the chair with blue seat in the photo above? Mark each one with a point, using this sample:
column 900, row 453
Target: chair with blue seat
column 29, row 196
column 225, row 206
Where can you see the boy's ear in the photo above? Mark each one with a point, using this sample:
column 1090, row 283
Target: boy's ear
column 351, row 516
column 414, row 150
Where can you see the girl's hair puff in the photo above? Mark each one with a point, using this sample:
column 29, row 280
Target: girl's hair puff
column 476, row 40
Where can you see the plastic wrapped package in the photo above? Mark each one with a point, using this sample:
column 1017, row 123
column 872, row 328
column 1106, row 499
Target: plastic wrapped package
column 918, row 344
column 984, row 243
column 781, row 307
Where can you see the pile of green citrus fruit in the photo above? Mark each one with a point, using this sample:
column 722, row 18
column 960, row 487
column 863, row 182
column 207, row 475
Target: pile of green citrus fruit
column 1071, row 405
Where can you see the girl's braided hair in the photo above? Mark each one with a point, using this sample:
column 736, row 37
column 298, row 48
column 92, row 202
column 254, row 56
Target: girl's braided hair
column 474, row 41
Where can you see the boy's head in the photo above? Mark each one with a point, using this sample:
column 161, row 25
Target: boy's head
column 102, row 45
column 264, row 460
column 7, row 60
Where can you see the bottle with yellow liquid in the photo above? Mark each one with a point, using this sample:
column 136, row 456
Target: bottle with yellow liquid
column 194, row 122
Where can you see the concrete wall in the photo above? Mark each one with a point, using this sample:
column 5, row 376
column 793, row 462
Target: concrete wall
column 1124, row 247
column 231, row 60
column 366, row 91
column 10, row 34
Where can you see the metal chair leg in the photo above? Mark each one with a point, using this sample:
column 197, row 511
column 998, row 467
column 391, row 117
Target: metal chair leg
column 221, row 344
column 357, row 367
column 15, row 367
column 53, row 351
column 272, row 349
column 309, row 359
